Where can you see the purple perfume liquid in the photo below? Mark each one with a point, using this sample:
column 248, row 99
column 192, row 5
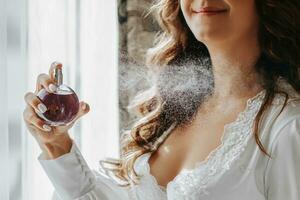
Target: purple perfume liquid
column 62, row 106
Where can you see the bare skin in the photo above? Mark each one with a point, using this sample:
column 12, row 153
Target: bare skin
column 235, row 80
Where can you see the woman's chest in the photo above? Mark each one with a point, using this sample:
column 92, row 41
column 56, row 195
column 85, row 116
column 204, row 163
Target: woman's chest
column 186, row 147
column 224, row 176
column 182, row 151
column 233, row 170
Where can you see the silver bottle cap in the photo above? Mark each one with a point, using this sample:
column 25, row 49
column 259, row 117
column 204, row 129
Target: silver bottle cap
column 58, row 75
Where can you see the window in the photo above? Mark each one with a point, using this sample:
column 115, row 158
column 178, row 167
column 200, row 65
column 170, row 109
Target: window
column 83, row 36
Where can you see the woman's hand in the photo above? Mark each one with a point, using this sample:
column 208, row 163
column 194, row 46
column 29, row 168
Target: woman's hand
column 54, row 141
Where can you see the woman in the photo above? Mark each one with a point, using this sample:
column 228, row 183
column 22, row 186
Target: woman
column 238, row 137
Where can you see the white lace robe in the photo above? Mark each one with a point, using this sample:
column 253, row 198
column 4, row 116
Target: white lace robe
column 235, row 170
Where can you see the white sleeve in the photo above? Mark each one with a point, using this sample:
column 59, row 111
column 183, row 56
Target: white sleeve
column 283, row 170
column 73, row 179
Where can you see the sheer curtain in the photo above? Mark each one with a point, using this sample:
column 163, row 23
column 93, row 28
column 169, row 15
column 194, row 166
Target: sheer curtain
column 83, row 36
column 4, row 166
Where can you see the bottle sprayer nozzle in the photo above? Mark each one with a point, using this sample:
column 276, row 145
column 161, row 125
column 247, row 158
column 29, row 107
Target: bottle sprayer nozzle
column 58, row 76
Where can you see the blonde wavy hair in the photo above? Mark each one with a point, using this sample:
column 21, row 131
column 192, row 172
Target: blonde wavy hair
column 279, row 32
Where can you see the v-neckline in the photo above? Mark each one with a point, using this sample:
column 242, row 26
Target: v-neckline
column 199, row 164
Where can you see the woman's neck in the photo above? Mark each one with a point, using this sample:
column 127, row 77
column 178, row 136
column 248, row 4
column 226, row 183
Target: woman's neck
column 234, row 68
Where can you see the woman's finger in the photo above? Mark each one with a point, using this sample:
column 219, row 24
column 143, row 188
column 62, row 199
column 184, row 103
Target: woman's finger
column 44, row 81
column 31, row 118
column 33, row 101
column 84, row 108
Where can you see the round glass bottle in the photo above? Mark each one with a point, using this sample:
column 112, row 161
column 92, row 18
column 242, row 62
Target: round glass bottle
column 62, row 105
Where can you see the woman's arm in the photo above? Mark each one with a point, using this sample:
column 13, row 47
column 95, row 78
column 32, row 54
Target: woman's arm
column 283, row 170
column 73, row 179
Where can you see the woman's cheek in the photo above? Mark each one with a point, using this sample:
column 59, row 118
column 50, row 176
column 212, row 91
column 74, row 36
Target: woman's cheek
column 185, row 7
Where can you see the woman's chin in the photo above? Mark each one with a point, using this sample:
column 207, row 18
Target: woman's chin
column 210, row 36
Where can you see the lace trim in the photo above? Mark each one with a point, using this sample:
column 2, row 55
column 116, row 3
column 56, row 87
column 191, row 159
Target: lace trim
column 231, row 146
column 233, row 142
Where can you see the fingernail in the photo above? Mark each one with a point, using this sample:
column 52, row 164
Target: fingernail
column 83, row 106
column 46, row 127
column 52, row 87
column 42, row 108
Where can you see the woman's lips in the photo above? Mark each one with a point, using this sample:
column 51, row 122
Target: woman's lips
column 209, row 11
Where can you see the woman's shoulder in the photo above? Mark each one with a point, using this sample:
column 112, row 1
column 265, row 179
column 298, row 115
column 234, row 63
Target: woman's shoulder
column 284, row 148
column 285, row 87
column 283, row 120
column 286, row 92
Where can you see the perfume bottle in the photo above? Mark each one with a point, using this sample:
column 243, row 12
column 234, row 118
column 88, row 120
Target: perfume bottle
column 62, row 105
